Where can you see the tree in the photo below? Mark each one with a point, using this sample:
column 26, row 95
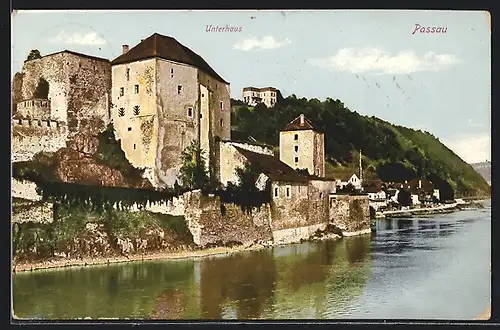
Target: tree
column 349, row 188
column 248, row 176
column 42, row 89
column 33, row 55
column 193, row 173
column 404, row 197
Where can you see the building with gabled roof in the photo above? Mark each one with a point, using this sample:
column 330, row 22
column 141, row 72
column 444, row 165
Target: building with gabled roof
column 303, row 147
column 164, row 97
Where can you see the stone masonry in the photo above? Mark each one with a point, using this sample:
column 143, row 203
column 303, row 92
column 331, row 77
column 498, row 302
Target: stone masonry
column 350, row 213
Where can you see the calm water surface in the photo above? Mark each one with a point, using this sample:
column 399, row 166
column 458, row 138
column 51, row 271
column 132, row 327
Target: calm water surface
column 422, row 268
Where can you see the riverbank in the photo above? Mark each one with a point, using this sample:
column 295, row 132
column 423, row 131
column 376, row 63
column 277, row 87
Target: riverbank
column 193, row 254
column 420, row 211
column 84, row 262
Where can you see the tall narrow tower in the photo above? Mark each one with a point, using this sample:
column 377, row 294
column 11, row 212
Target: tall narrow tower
column 303, row 147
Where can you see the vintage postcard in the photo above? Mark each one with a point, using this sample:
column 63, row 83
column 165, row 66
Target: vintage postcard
column 251, row 165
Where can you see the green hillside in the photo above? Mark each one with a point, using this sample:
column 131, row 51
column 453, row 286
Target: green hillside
column 390, row 152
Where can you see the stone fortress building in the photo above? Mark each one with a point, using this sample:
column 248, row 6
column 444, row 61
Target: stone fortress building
column 268, row 96
column 160, row 96
column 163, row 97
column 303, row 147
column 76, row 99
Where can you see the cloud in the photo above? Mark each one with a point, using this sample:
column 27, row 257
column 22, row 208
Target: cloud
column 267, row 42
column 89, row 38
column 383, row 62
column 471, row 148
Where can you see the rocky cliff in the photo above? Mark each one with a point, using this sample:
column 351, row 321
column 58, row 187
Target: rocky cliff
column 86, row 159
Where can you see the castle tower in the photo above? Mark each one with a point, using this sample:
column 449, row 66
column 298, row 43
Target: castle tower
column 164, row 97
column 303, row 147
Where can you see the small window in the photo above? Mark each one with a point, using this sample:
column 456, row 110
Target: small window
column 129, row 129
column 221, row 105
column 127, row 74
column 275, row 192
column 171, row 73
column 136, row 89
column 121, row 112
column 296, row 137
column 288, row 195
column 202, row 95
column 190, row 112
column 179, row 89
column 221, row 123
column 296, row 148
column 137, row 110
column 134, row 146
column 296, row 159
column 320, row 195
column 122, row 91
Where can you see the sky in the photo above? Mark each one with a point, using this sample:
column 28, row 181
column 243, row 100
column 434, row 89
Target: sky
column 378, row 63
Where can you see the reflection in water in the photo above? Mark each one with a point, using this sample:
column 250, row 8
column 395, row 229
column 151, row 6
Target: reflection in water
column 246, row 279
column 255, row 284
column 402, row 270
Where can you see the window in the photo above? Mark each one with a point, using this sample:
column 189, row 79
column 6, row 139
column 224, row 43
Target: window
column 190, row 112
column 221, row 105
column 137, row 110
column 221, row 123
column 127, row 74
column 296, row 159
column 129, row 129
column 136, row 89
column 171, row 73
column 202, row 95
column 296, row 148
column 121, row 112
column 134, row 146
column 288, row 192
column 320, row 195
column 179, row 89
column 122, row 91
column 296, row 137
column 275, row 192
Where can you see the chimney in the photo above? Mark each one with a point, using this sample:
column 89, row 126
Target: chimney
column 301, row 119
column 124, row 49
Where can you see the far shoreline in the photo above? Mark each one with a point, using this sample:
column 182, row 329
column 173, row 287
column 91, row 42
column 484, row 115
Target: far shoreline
column 450, row 208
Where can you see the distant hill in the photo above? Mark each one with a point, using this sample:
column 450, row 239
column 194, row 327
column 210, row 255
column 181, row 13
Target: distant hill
column 392, row 153
column 483, row 168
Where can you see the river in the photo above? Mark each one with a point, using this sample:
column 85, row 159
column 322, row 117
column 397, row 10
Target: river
column 435, row 267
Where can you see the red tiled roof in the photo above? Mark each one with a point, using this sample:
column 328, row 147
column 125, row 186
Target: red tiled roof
column 271, row 166
column 296, row 125
column 167, row 48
